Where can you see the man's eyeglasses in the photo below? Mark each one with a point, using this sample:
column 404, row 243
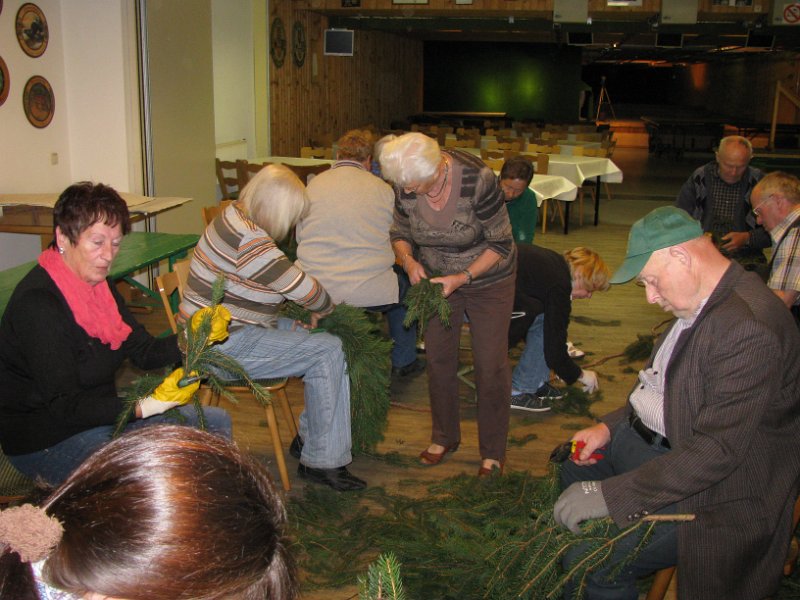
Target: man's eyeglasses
column 757, row 210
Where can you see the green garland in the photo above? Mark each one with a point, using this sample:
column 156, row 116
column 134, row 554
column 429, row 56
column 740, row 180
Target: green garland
column 199, row 356
column 368, row 366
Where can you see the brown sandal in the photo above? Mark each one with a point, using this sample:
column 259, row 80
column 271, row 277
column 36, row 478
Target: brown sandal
column 493, row 470
column 430, row 459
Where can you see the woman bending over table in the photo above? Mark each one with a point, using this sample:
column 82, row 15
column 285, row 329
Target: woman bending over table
column 63, row 337
column 241, row 244
column 451, row 224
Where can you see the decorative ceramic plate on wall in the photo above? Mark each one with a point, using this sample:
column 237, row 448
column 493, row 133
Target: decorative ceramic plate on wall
column 5, row 80
column 32, row 31
column 38, row 101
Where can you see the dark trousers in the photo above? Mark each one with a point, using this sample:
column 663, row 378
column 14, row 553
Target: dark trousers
column 626, row 451
column 488, row 309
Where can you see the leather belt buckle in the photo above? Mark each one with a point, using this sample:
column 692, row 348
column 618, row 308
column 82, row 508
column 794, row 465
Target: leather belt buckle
column 648, row 435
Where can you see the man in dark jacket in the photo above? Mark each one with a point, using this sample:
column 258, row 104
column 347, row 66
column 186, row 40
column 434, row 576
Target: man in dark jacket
column 709, row 430
column 718, row 195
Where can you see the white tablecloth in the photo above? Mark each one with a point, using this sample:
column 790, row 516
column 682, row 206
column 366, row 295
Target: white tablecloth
column 578, row 169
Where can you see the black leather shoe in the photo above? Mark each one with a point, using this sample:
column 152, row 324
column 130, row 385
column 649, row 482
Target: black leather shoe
column 339, row 479
column 411, row 369
column 296, row 447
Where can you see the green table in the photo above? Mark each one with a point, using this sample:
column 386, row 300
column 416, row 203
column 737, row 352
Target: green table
column 139, row 250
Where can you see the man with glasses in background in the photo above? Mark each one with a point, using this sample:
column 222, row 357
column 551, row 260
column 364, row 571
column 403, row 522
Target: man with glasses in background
column 776, row 206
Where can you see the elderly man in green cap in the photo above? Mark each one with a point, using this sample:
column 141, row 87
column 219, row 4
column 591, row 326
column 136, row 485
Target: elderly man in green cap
column 709, row 429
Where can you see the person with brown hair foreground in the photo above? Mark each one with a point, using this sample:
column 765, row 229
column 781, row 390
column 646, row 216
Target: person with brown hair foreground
column 162, row 513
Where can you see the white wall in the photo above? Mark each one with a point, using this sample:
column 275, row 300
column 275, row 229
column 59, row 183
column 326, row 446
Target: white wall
column 234, row 108
column 84, row 63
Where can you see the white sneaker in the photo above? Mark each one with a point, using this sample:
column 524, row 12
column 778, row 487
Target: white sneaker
column 574, row 352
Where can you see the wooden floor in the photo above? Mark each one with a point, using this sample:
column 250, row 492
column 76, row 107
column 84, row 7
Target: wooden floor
column 602, row 326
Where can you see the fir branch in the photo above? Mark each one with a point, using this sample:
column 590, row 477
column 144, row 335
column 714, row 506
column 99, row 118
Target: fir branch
column 383, row 581
column 368, row 366
column 425, row 301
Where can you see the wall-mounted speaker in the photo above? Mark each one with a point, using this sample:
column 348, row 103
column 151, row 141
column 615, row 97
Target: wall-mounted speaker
column 579, row 38
column 669, row 40
column 759, row 40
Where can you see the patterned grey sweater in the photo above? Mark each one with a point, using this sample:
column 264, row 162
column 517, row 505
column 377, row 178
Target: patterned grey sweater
column 480, row 221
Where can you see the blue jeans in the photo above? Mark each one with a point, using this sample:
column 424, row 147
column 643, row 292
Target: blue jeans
column 290, row 351
column 626, row 451
column 54, row 464
column 404, row 348
column 531, row 371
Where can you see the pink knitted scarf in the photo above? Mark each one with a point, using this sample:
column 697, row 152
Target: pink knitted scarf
column 93, row 306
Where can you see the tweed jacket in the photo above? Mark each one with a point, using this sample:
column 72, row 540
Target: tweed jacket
column 732, row 413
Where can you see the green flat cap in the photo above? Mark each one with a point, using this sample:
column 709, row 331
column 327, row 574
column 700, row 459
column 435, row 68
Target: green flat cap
column 664, row 227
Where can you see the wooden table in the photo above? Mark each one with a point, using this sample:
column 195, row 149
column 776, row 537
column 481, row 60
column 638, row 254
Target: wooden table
column 139, row 250
column 33, row 213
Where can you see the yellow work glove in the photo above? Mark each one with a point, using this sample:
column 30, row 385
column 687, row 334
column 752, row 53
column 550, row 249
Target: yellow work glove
column 220, row 319
column 168, row 394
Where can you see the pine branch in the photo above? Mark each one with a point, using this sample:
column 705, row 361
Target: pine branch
column 425, row 301
column 368, row 366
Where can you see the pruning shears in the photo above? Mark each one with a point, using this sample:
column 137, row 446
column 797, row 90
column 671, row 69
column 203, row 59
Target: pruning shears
column 572, row 449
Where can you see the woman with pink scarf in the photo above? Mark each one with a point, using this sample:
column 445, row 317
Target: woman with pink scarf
column 63, row 337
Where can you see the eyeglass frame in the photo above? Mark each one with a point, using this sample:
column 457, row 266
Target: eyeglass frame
column 757, row 210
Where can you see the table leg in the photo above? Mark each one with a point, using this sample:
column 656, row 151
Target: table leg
column 596, row 201
column 566, row 217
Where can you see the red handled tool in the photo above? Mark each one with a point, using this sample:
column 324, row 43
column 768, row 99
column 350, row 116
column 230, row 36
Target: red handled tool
column 578, row 445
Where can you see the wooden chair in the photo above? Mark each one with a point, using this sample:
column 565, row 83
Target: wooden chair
column 170, row 288
column 228, row 180
column 663, row 578
column 14, row 486
column 495, row 164
column 306, row 172
column 209, row 213
column 245, row 171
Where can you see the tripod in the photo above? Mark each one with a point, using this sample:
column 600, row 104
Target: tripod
column 604, row 98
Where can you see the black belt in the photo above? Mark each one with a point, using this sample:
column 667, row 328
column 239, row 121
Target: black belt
column 648, row 435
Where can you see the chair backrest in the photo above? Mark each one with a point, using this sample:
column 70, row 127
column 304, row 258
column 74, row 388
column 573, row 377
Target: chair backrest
column 209, row 213
column 542, row 163
column 305, row 173
column 228, row 179
column 245, row 171
column 495, row 164
column 170, row 287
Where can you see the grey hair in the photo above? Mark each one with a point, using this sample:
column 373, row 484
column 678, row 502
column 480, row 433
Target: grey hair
column 736, row 139
column 275, row 199
column 778, row 182
column 409, row 159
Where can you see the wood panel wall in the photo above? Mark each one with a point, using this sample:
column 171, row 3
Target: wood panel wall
column 382, row 82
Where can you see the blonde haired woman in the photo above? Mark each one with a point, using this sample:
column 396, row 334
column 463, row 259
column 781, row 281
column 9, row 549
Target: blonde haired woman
column 242, row 244
column 547, row 282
